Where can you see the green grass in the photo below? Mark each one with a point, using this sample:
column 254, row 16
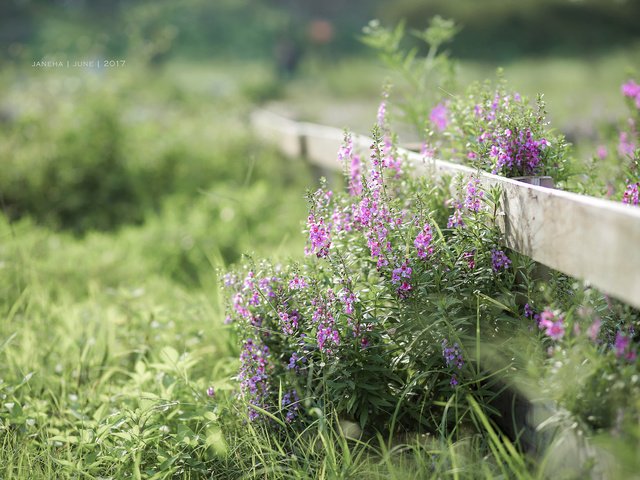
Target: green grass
column 110, row 338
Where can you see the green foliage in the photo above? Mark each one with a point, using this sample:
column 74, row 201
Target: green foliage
column 426, row 76
column 110, row 339
column 527, row 28
column 116, row 152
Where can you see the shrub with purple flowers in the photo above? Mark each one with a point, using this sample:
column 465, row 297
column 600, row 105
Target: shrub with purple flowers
column 501, row 132
column 409, row 315
column 335, row 328
column 617, row 158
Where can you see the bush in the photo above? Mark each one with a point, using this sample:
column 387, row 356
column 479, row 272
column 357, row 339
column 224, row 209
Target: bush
column 409, row 317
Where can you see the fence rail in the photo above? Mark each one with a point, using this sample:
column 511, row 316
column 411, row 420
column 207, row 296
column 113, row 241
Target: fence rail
column 589, row 238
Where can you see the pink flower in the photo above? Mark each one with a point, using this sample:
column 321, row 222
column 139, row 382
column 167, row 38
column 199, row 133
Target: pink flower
column 382, row 113
column 423, row 242
column 626, row 145
column 594, row 329
column 552, row 324
column 631, row 89
column 319, row 235
column 438, row 116
column 631, row 194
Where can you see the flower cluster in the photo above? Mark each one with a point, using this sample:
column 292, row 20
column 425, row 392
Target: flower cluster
column 422, row 242
column 626, row 143
column 347, row 157
column 250, row 293
column 438, row 116
column 253, row 376
column 499, row 260
column 402, row 275
column 290, row 404
column 515, row 152
column 455, row 219
column 499, row 132
column 327, row 334
column 529, row 312
column 319, row 236
column 296, row 361
column 623, row 347
column 631, row 90
column 474, row 195
column 630, row 196
column 472, row 203
column 470, row 258
column 552, row 324
column 453, row 358
column 289, row 322
column 452, row 355
column 298, row 283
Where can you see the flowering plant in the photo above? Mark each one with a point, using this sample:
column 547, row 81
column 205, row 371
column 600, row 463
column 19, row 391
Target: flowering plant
column 388, row 292
column 629, row 143
column 402, row 287
column 498, row 131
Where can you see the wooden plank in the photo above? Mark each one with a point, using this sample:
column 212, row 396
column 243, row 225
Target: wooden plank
column 286, row 133
column 588, row 238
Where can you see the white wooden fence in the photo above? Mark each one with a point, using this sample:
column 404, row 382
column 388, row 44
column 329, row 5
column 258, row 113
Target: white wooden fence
column 589, row 238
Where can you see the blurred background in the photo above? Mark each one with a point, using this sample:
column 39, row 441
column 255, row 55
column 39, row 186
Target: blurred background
column 154, row 124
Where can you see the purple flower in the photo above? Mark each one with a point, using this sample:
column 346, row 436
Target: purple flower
column 601, row 152
column 348, row 299
column 630, row 196
column 623, row 347
column 297, row 283
column 229, row 279
column 474, row 195
column 342, row 220
column 626, row 145
column 211, row 392
column 401, row 272
column 319, row 235
column 552, row 324
column 253, row 376
column 515, row 151
column 389, row 158
column 295, row 362
column 452, row 355
column 291, row 405
column 327, row 337
column 423, row 242
column 455, row 220
column 438, row 116
column 499, row 260
column 404, row 289
column 289, row 322
column 470, row 258
column 266, row 285
column 622, row 344
column 528, row 311
column 355, row 177
column 631, row 89
column 426, row 151
column 382, row 112
column 349, row 159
